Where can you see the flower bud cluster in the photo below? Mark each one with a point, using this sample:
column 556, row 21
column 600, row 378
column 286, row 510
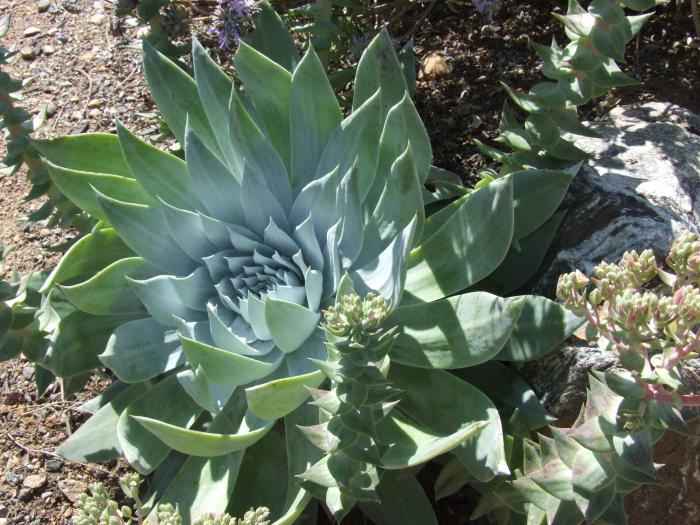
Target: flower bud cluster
column 259, row 516
column 650, row 324
column 98, row 508
column 354, row 317
column 684, row 257
column 168, row 515
column 130, row 483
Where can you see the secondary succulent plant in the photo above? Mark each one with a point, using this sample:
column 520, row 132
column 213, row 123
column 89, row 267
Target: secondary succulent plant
column 16, row 125
column 20, row 331
column 205, row 280
column 96, row 507
column 584, row 69
column 649, row 318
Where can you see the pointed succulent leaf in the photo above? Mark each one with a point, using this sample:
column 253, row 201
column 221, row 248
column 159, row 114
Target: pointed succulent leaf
column 268, row 85
column 477, row 236
column 141, row 350
column 457, row 332
column 166, row 401
column 161, row 174
column 379, row 67
column 279, row 397
column 144, row 230
column 175, row 93
column 541, row 326
column 272, row 38
column 78, row 187
column 442, row 401
column 227, row 368
column 204, row 444
column 91, row 152
column 290, row 324
column 96, row 439
column 108, row 292
column 315, row 114
column 90, row 254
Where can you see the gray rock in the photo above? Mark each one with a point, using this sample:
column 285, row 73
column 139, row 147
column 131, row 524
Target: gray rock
column 71, row 489
column 53, row 465
column 28, row 371
column 640, row 190
column 43, row 6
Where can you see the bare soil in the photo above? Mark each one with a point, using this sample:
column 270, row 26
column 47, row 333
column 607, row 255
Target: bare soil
column 90, row 74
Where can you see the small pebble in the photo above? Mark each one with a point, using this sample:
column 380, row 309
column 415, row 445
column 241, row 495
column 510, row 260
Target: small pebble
column 53, row 465
column 28, row 371
column 34, row 481
column 94, row 113
column 95, row 103
column 28, row 53
column 31, row 31
column 434, row 65
column 48, row 49
column 71, row 488
column 97, row 19
column 43, row 6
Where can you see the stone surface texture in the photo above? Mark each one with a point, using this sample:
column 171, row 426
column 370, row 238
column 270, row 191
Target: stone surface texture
column 640, row 189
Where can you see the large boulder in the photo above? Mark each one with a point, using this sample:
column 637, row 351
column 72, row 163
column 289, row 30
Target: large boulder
column 640, row 190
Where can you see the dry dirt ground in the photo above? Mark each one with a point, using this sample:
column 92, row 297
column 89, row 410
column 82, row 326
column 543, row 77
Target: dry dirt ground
column 87, row 74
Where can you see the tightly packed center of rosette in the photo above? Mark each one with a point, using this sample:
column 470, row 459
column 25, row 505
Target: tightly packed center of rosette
column 255, row 270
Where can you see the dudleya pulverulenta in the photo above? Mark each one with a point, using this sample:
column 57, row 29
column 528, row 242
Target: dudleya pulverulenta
column 206, row 278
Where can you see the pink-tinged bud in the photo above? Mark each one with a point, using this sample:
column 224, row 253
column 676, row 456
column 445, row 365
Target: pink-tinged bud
column 679, row 296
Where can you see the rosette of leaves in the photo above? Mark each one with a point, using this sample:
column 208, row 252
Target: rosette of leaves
column 17, row 124
column 584, row 69
column 201, row 288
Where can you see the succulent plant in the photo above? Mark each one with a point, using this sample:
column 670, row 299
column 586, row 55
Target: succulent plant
column 205, row 279
column 584, row 69
column 17, row 124
column 20, row 331
column 649, row 318
column 98, row 508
